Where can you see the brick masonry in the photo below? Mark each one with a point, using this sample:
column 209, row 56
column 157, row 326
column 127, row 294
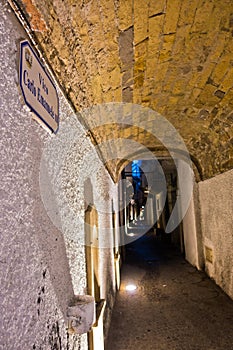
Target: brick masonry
column 174, row 57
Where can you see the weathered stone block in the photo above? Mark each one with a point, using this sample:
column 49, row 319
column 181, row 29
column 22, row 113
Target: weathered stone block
column 221, row 68
column 156, row 7
column 202, row 16
column 227, row 82
column 166, row 50
column 187, row 12
column 140, row 20
column 155, row 31
column 125, row 14
column 172, row 15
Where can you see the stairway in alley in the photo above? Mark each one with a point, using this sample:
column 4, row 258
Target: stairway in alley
column 174, row 306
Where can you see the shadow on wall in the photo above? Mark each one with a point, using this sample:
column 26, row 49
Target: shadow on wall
column 52, row 245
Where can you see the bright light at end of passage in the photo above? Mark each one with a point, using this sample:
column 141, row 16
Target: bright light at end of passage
column 130, row 287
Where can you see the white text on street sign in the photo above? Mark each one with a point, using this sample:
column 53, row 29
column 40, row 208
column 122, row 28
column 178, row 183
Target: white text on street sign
column 38, row 90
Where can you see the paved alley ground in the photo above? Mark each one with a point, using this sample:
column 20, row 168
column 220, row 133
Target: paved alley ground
column 175, row 307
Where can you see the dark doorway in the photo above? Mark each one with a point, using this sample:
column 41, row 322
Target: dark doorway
column 149, row 196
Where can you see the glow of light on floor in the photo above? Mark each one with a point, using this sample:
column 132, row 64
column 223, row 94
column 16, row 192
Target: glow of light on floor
column 131, row 234
column 130, row 287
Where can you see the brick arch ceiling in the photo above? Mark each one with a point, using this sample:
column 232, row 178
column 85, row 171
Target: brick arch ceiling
column 173, row 56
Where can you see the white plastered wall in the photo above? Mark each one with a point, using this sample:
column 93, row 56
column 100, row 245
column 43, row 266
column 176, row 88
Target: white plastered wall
column 191, row 228
column 216, row 204
column 42, row 264
column 208, row 228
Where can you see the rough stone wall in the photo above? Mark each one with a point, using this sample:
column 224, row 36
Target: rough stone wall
column 217, row 228
column 41, row 266
column 174, row 56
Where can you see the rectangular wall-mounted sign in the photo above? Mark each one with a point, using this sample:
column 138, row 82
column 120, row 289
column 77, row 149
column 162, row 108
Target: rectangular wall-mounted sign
column 38, row 89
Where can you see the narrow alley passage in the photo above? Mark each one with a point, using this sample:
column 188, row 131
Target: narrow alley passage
column 174, row 306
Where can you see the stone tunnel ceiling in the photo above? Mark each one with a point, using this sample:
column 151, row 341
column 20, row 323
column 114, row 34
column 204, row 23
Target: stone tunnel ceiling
column 173, row 56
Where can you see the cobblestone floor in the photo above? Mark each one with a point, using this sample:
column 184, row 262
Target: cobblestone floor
column 175, row 307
